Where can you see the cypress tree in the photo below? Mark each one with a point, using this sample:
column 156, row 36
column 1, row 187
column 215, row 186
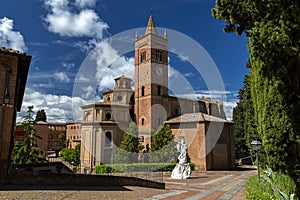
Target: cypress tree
column 129, row 147
column 274, row 44
column 244, row 123
column 163, row 147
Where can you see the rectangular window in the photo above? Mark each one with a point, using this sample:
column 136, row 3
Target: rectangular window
column 158, row 56
column 143, row 57
column 158, row 90
column 143, row 91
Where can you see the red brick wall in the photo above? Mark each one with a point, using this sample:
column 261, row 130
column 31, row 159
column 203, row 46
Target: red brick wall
column 7, row 112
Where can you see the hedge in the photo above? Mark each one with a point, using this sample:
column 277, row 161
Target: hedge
column 136, row 167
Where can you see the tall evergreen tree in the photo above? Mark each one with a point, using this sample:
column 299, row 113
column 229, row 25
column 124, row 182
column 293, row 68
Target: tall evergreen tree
column 41, row 116
column 273, row 29
column 27, row 151
column 244, row 123
column 163, row 147
column 130, row 146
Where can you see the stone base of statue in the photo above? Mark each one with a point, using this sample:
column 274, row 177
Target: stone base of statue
column 181, row 171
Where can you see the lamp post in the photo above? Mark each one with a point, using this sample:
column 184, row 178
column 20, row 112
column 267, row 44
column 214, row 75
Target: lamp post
column 256, row 146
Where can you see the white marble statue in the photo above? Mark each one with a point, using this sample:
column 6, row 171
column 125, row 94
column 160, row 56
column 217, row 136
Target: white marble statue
column 182, row 169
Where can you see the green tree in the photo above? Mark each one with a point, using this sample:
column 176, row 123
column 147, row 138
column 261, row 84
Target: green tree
column 273, row 29
column 41, row 116
column 130, row 146
column 163, row 147
column 71, row 154
column 28, row 151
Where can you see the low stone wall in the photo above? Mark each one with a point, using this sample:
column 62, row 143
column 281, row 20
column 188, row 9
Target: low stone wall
column 81, row 180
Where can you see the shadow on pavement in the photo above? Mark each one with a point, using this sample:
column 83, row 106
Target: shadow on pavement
column 245, row 168
column 62, row 187
column 197, row 177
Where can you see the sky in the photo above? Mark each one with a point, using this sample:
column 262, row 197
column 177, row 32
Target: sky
column 78, row 47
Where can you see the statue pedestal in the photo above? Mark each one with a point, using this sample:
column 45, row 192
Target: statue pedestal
column 181, row 171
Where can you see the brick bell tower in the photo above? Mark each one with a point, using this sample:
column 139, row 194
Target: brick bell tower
column 151, row 80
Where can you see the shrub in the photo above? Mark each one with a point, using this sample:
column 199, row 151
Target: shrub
column 272, row 185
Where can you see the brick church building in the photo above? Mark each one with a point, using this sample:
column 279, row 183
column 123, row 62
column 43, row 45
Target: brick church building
column 201, row 122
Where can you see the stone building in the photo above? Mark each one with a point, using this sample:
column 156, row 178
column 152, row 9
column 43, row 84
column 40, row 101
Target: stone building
column 150, row 106
column 103, row 123
column 73, row 133
column 14, row 66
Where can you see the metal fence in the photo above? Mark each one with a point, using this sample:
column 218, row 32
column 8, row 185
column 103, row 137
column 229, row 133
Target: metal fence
column 148, row 175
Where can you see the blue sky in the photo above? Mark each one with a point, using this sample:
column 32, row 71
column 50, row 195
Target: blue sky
column 60, row 34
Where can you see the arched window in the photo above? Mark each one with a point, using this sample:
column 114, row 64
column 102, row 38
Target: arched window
column 178, row 111
column 143, row 121
column 143, row 91
column 108, row 138
column 108, row 116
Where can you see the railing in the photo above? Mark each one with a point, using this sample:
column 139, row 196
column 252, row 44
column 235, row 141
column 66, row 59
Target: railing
column 152, row 176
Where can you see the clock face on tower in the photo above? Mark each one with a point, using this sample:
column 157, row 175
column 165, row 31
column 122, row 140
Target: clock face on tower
column 159, row 71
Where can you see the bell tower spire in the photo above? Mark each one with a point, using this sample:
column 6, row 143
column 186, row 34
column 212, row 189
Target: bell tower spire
column 151, row 27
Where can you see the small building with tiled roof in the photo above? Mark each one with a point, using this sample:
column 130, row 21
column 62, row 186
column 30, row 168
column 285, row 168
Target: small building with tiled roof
column 210, row 139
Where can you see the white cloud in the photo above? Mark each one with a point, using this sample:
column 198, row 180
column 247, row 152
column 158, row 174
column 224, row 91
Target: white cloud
column 61, row 77
column 85, row 3
column 189, row 74
column 86, row 46
column 44, row 85
column 81, row 78
column 182, row 57
column 110, row 65
column 228, row 108
column 10, row 38
column 64, row 20
column 58, row 108
column 89, row 91
column 68, row 65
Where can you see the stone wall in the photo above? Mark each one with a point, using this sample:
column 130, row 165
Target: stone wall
column 81, row 180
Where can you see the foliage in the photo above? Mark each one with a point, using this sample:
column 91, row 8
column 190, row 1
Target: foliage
column 130, row 146
column 244, row 123
column 272, row 185
column 62, row 137
column 27, row 151
column 71, row 155
column 273, row 29
column 163, row 147
column 136, row 167
column 41, row 116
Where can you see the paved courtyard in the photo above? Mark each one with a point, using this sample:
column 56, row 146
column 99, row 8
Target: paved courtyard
column 201, row 185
